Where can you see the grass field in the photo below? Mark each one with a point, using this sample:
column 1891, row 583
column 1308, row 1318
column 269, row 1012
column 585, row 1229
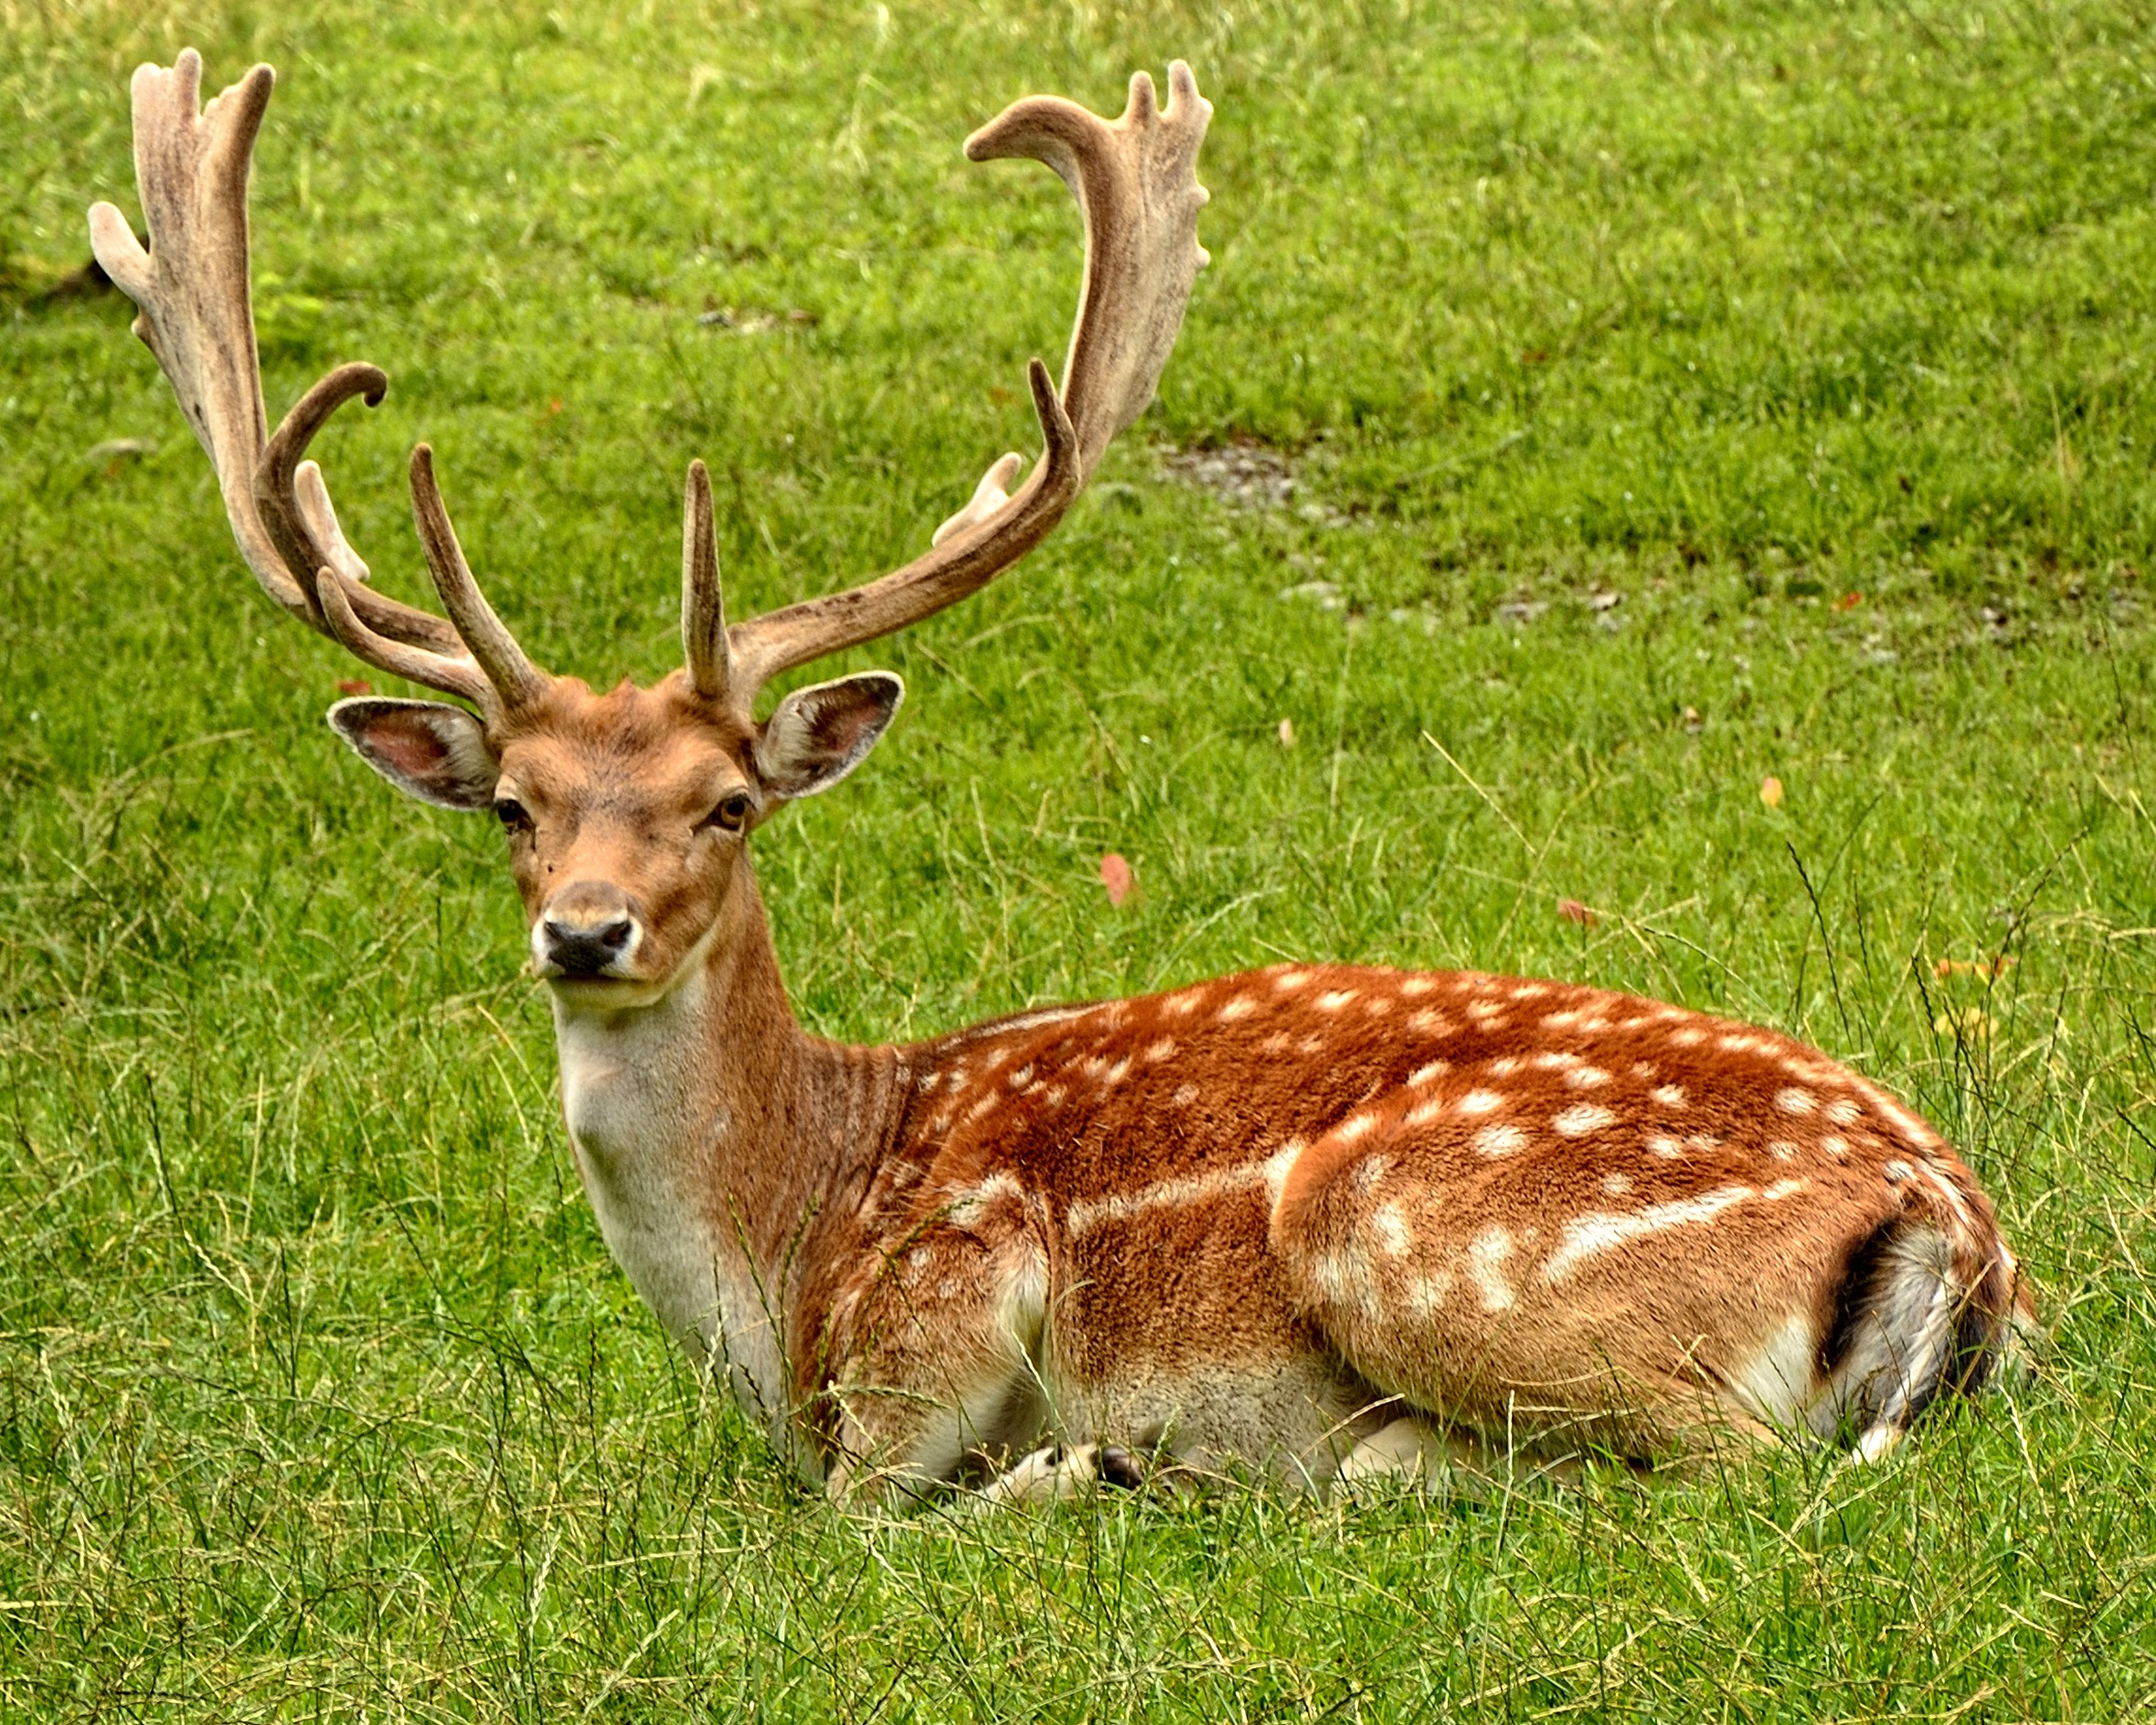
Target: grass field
column 1602, row 352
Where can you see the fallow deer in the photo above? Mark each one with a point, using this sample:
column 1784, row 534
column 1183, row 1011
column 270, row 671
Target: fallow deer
column 1324, row 1220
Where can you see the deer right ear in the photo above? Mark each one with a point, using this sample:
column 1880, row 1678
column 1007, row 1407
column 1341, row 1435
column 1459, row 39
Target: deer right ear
column 430, row 750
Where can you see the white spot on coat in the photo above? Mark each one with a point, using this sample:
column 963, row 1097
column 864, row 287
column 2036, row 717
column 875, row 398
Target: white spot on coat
column 1500, row 1141
column 1590, row 1236
column 1481, row 1101
column 1582, row 1118
column 1796, row 1101
column 1486, row 1254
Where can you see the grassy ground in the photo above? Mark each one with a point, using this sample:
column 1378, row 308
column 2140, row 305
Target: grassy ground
column 318, row 1395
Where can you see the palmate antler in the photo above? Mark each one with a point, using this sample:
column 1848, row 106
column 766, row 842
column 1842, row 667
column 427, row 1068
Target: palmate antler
column 1135, row 182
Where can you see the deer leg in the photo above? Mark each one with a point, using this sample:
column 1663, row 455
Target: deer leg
column 935, row 1361
column 1411, row 1450
column 1060, row 1472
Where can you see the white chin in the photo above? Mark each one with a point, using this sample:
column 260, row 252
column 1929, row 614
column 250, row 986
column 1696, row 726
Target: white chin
column 607, row 992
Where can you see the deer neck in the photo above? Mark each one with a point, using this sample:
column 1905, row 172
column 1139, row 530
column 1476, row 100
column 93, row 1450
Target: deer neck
column 710, row 1132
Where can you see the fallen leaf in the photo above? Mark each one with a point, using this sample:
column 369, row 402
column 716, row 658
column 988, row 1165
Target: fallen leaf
column 1849, row 601
column 1770, row 791
column 1116, row 875
column 1287, row 733
column 554, row 407
column 355, row 686
column 1572, row 911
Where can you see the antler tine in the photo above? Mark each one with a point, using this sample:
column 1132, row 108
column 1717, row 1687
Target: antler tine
column 703, row 608
column 196, row 315
column 1136, row 186
column 516, row 680
column 460, row 677
column 296, row 513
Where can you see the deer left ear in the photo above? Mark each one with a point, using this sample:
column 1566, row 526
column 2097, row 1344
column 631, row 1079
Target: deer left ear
column 819, row 734
column 430, row 750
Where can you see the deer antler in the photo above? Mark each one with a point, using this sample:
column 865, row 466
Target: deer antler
column 1136, row 185
column 198, row 317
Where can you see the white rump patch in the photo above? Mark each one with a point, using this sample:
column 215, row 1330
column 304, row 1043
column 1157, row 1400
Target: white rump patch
column 1778, row 1384
column 1590, row 1236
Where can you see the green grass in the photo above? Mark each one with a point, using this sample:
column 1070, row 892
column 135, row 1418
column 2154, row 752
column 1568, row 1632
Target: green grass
column 319, row 1397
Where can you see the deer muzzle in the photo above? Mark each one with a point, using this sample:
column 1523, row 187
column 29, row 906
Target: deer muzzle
column 589, row 932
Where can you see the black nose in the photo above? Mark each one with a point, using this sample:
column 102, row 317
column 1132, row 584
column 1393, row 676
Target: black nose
column 586, row 952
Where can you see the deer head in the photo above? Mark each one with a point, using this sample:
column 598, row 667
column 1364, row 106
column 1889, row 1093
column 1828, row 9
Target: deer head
column 627, row 813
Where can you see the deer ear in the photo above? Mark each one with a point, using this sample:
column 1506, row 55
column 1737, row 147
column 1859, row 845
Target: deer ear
column 819, row 734
column 430, row 750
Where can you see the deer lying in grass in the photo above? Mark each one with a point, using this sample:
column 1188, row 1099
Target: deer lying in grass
column 1328, row 1220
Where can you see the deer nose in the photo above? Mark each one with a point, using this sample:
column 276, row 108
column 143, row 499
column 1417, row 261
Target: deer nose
column 585, row 933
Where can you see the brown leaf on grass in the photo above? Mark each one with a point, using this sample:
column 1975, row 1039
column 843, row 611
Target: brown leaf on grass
column 1572, row 911
column 1849, row 601
column 1116, row 875
column 355, row 686
column 1770, row 791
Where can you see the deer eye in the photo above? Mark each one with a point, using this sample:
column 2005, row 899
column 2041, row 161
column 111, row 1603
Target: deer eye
column 732, row 813
column 515, row 817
